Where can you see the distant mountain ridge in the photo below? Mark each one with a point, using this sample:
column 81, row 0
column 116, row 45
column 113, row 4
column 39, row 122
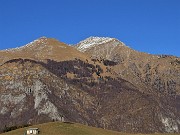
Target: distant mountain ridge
column 99, row 81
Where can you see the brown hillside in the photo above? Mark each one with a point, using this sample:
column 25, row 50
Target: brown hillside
column 107, row 85
column 42, row 49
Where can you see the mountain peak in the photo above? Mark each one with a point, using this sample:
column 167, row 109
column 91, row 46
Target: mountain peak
column 93, row 41
column 40, row 41
column 42, row 48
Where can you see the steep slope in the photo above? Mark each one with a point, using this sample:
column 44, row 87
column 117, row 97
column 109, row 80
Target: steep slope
column 151, row 74
column 145, row 71
column 35, row 92
column 62, row 83
column 31, row 94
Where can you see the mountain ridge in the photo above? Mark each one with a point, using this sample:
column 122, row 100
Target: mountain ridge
column 92, row 41
column 27, row 45
column 96, row 40
column 41, row 49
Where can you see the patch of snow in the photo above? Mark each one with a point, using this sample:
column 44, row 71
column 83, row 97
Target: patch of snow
column 39, row 41
column 93, row 41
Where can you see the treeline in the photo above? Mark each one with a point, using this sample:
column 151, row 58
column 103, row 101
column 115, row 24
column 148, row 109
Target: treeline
column 83, row 74
column 77, row 67
column 105, row 62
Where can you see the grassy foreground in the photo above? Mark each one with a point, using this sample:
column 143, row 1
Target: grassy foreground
column 59, row 128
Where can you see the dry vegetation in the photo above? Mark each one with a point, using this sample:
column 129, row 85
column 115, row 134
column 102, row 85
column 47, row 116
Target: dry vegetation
column 59, row 128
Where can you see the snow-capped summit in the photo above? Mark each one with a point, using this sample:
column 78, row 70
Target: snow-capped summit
column 93, row 41
column 31, row 45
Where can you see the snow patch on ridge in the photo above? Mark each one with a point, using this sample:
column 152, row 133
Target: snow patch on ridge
column 93, row 41
column 41, row 40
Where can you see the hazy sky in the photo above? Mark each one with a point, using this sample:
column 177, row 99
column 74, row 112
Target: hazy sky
column 151, row 26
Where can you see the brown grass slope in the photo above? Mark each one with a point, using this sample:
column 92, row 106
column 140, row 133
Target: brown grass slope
column 58, row 128
column 42, row 49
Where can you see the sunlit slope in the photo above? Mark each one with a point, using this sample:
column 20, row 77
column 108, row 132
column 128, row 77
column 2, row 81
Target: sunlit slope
column 58, row 128
column 42, row 49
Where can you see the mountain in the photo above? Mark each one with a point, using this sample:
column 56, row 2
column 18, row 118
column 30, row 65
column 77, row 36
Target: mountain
column 42, row 49
column 156, row 72
column 99, row 82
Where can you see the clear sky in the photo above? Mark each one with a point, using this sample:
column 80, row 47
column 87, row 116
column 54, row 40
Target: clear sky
column 151, row 26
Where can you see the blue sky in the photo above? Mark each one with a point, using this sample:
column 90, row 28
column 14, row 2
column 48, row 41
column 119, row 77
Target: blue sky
column 151, row 26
